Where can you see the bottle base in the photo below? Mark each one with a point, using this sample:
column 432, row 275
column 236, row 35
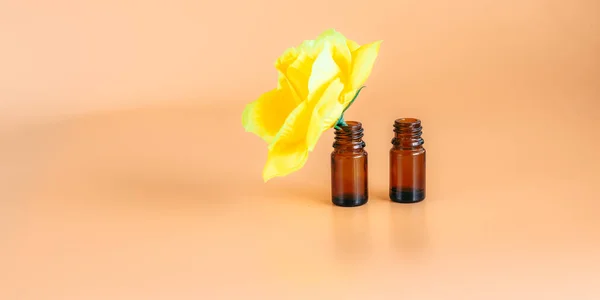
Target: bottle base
column 349, row 200
column 407, row 195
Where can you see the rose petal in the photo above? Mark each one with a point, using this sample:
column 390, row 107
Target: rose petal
column 323, row 71
column 265, row 116
column 288, row 152
column 326, row 112
column 363, row 60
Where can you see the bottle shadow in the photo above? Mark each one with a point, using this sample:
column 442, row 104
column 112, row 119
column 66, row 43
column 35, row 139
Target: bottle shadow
column 295, row 191
column 151, row 156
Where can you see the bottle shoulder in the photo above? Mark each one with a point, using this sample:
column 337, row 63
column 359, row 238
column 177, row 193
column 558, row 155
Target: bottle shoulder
column 408, row 151
column 349, row 153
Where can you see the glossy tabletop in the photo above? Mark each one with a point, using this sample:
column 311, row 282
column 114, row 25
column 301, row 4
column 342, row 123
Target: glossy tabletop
column 167, row 202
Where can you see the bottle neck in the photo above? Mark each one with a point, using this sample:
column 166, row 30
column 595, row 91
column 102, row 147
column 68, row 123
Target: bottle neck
column 349, row 138
column 407, row 134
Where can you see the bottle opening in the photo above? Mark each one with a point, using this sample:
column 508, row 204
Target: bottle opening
column 352, row 126
column 407, row 125
column 407, row 121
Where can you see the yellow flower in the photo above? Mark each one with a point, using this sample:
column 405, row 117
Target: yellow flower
column 317, row 81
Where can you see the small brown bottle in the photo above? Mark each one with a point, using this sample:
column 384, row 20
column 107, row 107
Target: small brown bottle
column 349, row 167
column 407, row 162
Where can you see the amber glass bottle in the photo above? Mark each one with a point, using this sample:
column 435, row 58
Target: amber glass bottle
column 349, row 167
column 407, row 162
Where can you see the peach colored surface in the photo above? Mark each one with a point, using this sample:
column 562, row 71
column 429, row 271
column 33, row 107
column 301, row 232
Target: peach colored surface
column 125, row 172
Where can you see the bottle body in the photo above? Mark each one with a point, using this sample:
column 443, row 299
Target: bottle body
column 407, row 162
column 349, row 167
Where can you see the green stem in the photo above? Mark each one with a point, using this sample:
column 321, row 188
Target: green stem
column 341, row 123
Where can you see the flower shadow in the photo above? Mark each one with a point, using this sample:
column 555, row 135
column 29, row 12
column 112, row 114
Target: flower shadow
column 314, row 194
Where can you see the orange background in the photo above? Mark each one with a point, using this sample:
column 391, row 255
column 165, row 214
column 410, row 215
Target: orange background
column 126, row 174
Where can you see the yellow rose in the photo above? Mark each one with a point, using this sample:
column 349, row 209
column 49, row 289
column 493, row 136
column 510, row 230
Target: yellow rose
column 317, row 81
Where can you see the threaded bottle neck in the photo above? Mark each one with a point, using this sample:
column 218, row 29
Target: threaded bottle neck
column 349, row 137
column 407, row 133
